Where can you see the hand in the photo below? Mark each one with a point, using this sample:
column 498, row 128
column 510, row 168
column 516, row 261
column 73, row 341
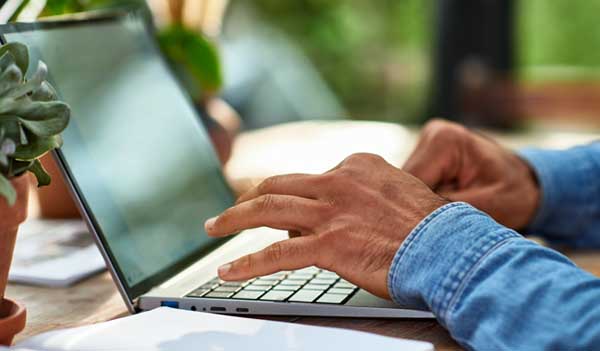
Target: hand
column 465, row 166
column 350, row 220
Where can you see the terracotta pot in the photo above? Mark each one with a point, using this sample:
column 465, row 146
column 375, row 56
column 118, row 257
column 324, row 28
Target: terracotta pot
column 10, row 219
column 12, row 315
column 55, row 200
column 12, row 320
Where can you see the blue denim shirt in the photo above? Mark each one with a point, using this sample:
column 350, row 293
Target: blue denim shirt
column 492, row 288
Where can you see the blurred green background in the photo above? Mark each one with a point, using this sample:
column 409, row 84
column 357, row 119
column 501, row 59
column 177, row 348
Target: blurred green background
column 373, row 59
column 376, row 55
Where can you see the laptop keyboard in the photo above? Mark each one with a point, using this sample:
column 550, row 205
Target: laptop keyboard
column 306, row 285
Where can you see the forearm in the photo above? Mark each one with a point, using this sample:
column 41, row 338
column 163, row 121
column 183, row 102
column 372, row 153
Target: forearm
column 492, row 288
column 569, row 211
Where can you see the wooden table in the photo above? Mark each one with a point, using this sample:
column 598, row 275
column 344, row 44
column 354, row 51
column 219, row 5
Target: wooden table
column 305, row 147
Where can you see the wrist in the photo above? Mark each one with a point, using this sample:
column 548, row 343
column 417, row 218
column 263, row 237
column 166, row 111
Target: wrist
column 531, row 190
column 435, row 260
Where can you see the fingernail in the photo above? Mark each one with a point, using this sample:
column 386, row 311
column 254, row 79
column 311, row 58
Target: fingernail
column 224, row 269
column 210, row 223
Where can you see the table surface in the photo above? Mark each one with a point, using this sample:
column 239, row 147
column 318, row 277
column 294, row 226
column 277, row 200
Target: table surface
column 315, row 147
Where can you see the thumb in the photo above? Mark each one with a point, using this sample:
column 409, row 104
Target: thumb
column 429, row 165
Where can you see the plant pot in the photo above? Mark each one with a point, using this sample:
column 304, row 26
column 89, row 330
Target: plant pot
column 10, row 219
column 12, row 315
column 12, row 320
column 55, row 200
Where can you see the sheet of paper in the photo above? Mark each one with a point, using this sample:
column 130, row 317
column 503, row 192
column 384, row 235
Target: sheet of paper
column 170, row 329
column 54, row 253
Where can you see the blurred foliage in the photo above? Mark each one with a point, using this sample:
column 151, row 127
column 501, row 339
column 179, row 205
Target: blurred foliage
column 376, row 55
column 59, row 7
column 373, row 54
column 195, row 58
column 560, row 33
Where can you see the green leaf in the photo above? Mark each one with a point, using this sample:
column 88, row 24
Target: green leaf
column 37, row 147
column 32, row 84
column 10, row 79
column 6, row 60
column 43, row 178
column 42, row 118
column 20, row 167
column 45, row 92
column 197, row 57
column 7, row 190
column 20, row 53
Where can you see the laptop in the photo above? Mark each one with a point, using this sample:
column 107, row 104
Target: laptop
column 146, row 177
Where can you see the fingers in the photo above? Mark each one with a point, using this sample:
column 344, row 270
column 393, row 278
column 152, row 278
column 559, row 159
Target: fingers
column 478, row 197
column 436, row 155
column 423, row 165
column 302, row 185
column 290, row 254
column 275, row 211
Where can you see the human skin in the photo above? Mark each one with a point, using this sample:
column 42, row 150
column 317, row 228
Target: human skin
column 462, row 165
column 353, row 219
column 350, row 220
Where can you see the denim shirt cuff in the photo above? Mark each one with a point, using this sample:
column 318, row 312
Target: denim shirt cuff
column 568, row 187
column 440, row 254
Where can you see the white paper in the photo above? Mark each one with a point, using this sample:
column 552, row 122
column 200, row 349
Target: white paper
column 171, row 329
column 54, row 253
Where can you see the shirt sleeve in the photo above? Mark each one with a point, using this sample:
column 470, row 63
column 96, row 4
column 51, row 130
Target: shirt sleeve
column 569, row 212
column 492, row 288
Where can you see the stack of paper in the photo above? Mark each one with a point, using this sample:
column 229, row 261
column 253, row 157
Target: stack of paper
column 170, row 329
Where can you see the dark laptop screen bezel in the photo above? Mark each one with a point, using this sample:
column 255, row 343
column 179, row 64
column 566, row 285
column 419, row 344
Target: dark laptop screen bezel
column 129, row 292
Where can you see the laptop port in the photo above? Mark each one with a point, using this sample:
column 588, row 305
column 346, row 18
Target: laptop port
column 218, row 309
column 172, row 304
column 242, row 310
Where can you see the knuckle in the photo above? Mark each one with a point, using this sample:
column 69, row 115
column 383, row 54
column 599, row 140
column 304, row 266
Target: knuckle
column 362, row 158
column 274, row 253
column 267, row 185
column 439, row 129
column 265, row 203
column 247, row 263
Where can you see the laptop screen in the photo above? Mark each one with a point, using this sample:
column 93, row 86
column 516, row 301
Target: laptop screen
column 135, row 149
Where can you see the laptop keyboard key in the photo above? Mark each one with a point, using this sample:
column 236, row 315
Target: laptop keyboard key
column 344, row 285
column 199, row 292
column 305, row 296
column 332, row 298
column 335, row 278
column 209, row 286
column 313, row 270
column 293, row 282
column 300, row 276
column 277, row 295
column 248, row 295
column 287, row 287
column 276, row 276
column 219, row 295
column 269, row 282
column 340, row 291
column 315, row 287
column 323, row 281
column 231, row 289
column 234, row 284
column 257, row 287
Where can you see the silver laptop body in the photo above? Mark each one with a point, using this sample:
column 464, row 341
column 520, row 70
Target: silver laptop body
column 141, row 166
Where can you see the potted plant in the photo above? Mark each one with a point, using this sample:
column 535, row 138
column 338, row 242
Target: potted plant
column 31, row 120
